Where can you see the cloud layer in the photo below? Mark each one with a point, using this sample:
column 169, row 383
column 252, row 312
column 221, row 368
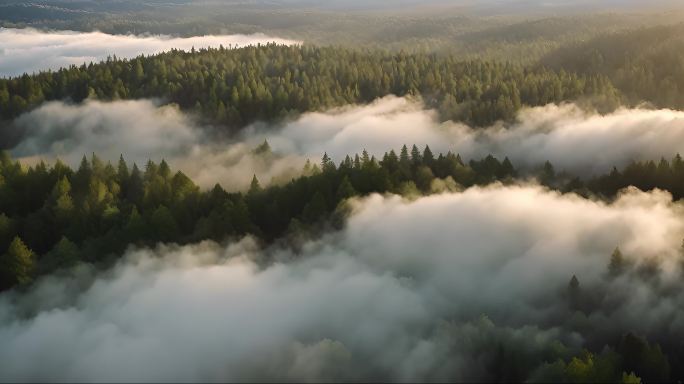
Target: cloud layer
column 29, row 50
column 571, row 138
column 142, row 130
column 578, row 141
column 364, row 303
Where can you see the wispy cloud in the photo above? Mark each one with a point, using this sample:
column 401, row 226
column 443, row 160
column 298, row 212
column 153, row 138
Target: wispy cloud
column 30, row 50
column 363, row 303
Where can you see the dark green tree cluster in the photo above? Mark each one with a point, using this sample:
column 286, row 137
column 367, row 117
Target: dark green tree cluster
column 53, row 217
column 625, row 356
column 612, row 365
column 645, row 64
column 645, row 175
column 309, row 201
column 238, row 86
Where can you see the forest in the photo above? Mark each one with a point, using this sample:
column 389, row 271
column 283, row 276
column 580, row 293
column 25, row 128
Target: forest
column 644, row 64
column 235, row 87
column 441, row 191
column 55, row 218
column 65, row 216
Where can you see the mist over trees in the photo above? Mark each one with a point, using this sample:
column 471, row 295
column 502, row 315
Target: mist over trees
column 644, row 64
column 540, row 242
column 55, row 218
column 234, row 87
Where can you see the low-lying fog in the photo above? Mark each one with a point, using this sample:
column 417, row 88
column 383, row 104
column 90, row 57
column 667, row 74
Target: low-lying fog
column 572, row 139
column 30, row 50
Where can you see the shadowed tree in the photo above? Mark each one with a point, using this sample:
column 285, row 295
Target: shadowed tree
column 17, row 264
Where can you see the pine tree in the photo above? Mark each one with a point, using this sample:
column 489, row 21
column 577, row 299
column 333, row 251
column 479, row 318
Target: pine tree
column 416, row 157
column 62, row 203
column 164, row 170
column 306, row 171
column 64, row 254
column 357, row 162
column 254, row 186
column 574, row 293
column 164, row 224
column 617, row 263
column 404, row 156
column 548, row 174
column 136, row 189
column 314, row 209
column 365, row 158
column 345, row 189
column 135, row 228
column 264, row 149
column 122, row 171
column 17, row 263
column 428, row 157
column 327, row 165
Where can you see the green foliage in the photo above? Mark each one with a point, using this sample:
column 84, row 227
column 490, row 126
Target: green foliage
column 346, row 189
column 234, row 87
column 617, row 263
column 645, row 64
column 95, row 212
column 644, row 359
column 647, row 175
column 17, row 264
column 65, row 254
column 630, row 378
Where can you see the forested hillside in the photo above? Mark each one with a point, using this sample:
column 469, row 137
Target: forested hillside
column 645, row 64
column 494, row 191
column 235, row 87
column 98, row 209
column 55, row 218
column 94, row 212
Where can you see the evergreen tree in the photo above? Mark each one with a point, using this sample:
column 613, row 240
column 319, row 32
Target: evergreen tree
column 617, row 263
column 574, row 293
column 64, row 254
column 404, row 156
column 345, row 189
column 315, row 209
column 428, row 157
column 416, row 157
column 254, row 186
column 17, row 264
column 122, row 171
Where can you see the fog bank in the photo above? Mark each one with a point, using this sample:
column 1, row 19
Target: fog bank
column 364, row 303
column 572, row 139
column 141, row 130
column 30, row 50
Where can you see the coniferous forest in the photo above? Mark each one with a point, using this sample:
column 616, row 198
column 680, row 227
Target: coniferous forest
column 235, row 87
column 299, row 191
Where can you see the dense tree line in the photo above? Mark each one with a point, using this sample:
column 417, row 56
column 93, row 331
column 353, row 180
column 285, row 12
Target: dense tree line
column 61, row 216
column 234, row 87
column 645, row 175
column 53, row 216
column 644, row 64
